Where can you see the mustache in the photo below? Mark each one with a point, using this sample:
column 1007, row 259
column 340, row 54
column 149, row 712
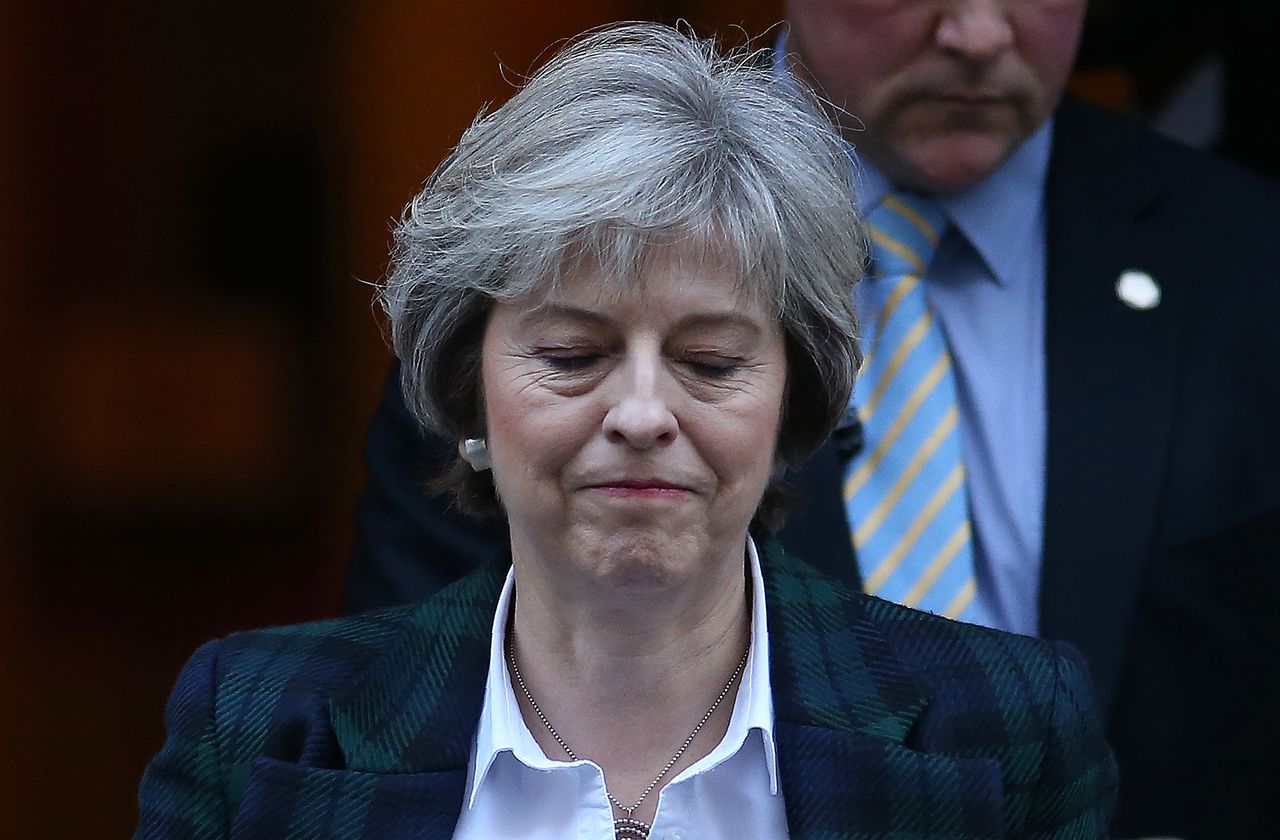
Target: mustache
column 967, row 80
column 973, row 93
column 977, row 90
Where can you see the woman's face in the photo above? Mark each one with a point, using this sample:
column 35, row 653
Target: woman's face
column 632, row 437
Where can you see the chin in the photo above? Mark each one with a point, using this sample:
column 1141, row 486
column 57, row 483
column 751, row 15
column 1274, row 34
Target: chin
column 643, row 558
column 954, row 166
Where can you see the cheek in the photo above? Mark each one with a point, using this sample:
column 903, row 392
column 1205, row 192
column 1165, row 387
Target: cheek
column 530, row 440
column 745, row 442
column 524, row 440
column 1048, row 38
column 861, row 58
column 531, row 457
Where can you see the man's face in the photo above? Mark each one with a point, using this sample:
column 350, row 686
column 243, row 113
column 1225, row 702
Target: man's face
column 946, row 89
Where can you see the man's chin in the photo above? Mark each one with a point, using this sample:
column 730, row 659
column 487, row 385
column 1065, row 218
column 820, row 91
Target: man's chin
column 949, row 165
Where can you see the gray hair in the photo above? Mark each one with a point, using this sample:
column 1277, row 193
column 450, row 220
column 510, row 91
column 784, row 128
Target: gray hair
column 633, row 138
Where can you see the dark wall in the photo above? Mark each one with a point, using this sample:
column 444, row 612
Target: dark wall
column 191, row 194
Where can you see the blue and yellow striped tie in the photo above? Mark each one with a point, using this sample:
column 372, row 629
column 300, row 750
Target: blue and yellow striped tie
column 906, row 493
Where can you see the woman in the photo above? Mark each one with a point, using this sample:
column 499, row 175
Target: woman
column 627, row 296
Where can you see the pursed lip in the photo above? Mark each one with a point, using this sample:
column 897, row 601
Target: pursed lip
column 971, row 100
column 640, row 487
column 970, row 97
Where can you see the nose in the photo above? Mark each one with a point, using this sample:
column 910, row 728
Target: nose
column 640, row 413
column 978, row 30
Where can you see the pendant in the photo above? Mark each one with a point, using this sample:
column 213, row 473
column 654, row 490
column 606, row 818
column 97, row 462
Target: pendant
column 626, row 828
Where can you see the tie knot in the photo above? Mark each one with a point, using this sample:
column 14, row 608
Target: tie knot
column 905, row 230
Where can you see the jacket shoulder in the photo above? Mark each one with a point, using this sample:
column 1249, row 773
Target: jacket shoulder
column 945, row 649
column 938, row 650
column 1023, row 701
column 255, row 693
column 271, row 663
column 1091, row 142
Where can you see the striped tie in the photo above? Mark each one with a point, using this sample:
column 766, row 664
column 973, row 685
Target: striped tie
column 905, row 492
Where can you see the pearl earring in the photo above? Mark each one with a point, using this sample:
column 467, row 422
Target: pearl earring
column 475, row 451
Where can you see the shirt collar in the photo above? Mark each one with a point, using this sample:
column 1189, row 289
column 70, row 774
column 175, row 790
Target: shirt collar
column 997, row 216
column 502, row 728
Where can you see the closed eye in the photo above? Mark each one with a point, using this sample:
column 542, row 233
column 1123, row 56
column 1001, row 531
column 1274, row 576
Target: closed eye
column 718, row 368
column 570, row 363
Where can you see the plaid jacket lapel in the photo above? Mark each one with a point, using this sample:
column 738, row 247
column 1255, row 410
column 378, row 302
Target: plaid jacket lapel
column 844, row 704
column 830, row 665
column 417, row 708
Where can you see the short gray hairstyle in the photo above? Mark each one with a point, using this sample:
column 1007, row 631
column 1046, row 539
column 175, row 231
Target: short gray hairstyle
column 634, row 137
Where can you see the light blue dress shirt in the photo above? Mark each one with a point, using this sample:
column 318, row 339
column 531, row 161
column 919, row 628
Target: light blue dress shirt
column 987, row 289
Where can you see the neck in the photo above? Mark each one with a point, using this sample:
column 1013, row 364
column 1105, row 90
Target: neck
column 626, row 693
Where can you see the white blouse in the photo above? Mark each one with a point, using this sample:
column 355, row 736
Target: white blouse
column 515, row 791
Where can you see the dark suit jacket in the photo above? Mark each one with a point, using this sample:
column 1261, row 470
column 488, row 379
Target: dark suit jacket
column 1162, row 508
column 889, row 722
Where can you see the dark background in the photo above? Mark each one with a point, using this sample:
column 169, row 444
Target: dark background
column 190, row 197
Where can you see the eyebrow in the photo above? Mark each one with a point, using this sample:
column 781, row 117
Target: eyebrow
column 714, row 319
column 720, row 319
column 555, row 311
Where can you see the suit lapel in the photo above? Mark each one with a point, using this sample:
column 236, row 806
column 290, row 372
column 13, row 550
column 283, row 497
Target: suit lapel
column 417, row 707
column 844, row 703
column 1110, row 380
column 830, row 666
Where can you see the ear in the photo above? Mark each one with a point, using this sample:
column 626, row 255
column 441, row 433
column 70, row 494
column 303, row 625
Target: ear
column 475, row 451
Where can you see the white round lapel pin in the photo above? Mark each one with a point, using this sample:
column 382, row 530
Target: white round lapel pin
column 1138, row 290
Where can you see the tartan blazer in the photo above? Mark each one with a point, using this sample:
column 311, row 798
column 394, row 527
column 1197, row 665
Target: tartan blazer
column 889, row 723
